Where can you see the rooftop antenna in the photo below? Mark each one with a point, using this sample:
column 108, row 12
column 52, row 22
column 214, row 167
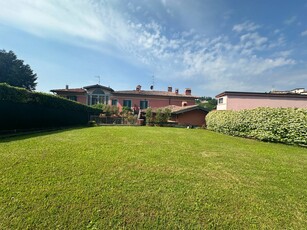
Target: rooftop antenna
column 153, row 82
column 98, row 79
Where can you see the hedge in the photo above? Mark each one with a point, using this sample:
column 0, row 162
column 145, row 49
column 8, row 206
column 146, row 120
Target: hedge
column 284, row 125
column 22, row 109
column 21, row 95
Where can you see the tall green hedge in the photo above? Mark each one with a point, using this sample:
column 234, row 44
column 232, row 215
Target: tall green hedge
column 22, row 109
column 285, row 125
column 20, row 95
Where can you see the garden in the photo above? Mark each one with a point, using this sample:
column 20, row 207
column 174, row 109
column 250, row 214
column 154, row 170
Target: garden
column 150, row 177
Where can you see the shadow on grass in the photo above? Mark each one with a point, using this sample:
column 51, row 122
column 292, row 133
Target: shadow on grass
column 25, row 134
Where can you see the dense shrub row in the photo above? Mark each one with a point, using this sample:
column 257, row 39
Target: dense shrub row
column 20, row 95
column 22, row 109
column 285, row 125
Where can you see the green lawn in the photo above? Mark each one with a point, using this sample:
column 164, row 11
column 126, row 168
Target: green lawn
column 150, row 177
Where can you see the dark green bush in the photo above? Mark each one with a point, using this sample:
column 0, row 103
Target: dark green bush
column 92, row 123
column 20, row 95
column 22, row 109
column 285, row 125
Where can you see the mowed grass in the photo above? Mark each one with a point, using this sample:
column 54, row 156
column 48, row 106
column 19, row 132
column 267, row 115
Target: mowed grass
column 150, row 177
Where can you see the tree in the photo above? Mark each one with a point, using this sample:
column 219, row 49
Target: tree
column 207, row 102
column 149, row 118
column 14, row 72
column 162, row 115
column 108, row 110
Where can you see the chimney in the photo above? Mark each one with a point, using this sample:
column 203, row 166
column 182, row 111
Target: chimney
column 66, row 87
column 187, row 91
column 169, row 89
column 176, row 91
column 138, row 88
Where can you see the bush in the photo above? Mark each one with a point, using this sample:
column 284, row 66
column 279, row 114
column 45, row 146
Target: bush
column 162, row 116
column 92, row 123
column 20, row 95
column 149, row 117
column 285, row 125
column 22, row 109
column 108, row 110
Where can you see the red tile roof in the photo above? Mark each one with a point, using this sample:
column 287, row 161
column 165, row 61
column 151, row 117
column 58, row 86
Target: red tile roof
column 180, row 109
column 126, row 92
column 76, row 90
column 152, row 93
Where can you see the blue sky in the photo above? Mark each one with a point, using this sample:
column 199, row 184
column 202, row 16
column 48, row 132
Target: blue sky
column 209, row 46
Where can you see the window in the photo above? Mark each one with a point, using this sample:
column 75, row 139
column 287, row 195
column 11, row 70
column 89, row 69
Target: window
column 143, row 104
column 98, row 96
column 101, row 99
column 114, row 102
column 94, row 99
column 221, row 100
column 98, row 91
column 127, row 103
column 73, row 98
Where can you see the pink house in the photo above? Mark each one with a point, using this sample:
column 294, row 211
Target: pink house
column 134, row 99
column 142, row 99
column 88, row 95
column 230, row 100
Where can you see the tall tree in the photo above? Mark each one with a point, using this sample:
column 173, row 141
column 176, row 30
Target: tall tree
column 14, row 72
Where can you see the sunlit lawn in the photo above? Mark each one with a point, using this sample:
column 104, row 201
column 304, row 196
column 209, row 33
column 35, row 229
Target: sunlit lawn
column 150, row 177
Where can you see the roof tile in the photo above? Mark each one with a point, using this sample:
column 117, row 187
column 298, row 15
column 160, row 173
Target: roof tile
column 76, row 90
column 153, row 93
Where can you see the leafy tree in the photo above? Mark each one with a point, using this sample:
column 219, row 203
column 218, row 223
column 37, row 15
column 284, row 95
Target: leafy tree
column 162, row 115
column 149, row 117
column 108, row 110
column 207, row 102
column 14, row 72
column 166, row 114
column 159, row 116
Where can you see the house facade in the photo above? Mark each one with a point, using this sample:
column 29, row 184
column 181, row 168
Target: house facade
column 88, row 95
column 231, row 100
column 142, row 99
column 190, row 115
column 134, row 99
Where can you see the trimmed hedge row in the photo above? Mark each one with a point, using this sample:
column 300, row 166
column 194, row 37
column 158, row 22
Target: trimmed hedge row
column 22, row 109
column 285, row 125
column 21, row 95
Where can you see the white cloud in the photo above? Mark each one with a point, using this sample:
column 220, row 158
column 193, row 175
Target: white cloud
column 216, row 62
column 283, row 53
column 214, row 58
column 54, row 18
column 304, row 33
column 290, row 21
column 245, row 26
column 185, row 55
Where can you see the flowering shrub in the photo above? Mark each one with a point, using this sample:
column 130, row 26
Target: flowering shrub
column 285, row 125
